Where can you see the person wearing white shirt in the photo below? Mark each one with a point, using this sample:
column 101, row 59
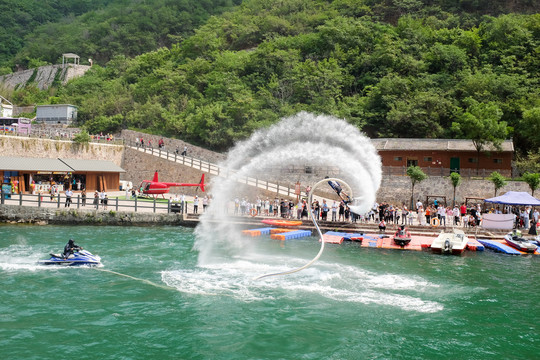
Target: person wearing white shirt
column 334, row 211
column 69, row 194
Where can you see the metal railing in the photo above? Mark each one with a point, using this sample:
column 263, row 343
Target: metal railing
column 217, row 170
column 113, row 204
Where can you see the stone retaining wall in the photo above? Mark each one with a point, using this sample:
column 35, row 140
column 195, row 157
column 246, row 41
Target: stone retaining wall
column 172, row 144
column 42, row 216
column 45, row 148
column 397, row 189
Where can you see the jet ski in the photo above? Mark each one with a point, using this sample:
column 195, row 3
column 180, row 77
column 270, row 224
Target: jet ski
column 81, row 257
column 402, row 237
column 514, row 240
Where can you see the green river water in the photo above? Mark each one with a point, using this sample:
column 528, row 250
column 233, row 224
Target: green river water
column 152, row 300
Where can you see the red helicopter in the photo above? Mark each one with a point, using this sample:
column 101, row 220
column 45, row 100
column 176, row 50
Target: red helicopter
column 155, row 187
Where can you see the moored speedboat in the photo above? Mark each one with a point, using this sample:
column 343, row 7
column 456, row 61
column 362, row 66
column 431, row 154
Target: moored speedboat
column 517, row 242
column 81, row 257
column 454, row 242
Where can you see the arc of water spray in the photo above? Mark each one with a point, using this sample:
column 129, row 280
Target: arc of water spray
column 316, row 226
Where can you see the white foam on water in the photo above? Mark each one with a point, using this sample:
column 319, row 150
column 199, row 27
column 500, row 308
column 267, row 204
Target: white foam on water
column 336, row 282
column 21, row 257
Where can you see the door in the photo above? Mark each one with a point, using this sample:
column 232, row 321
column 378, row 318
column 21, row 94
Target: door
column 454, row 165
column 412, row 162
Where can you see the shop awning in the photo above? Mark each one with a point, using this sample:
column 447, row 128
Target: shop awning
column 8, row 163
column 32, row 164
column 92, row 165
column 515, row 198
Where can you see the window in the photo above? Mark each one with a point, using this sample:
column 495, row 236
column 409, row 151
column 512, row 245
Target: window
column 398, row 158
column 497, row 161
column 428, row 159
column 473, row 160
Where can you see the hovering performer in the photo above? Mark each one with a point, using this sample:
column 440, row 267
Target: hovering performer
column 342, row 194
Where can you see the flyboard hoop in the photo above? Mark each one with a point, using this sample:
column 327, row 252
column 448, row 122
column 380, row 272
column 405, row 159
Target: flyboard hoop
column 316, row 226
column 253, row 212
column 435, row 222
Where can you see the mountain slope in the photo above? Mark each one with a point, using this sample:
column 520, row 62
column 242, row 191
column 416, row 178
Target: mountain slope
column 414, row 76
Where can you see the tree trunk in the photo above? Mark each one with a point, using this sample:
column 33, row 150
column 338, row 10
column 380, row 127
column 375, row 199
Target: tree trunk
column 478, row 162
column 412, row 197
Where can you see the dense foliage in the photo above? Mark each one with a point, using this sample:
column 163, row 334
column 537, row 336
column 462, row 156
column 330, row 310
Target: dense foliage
column 41, row 31
column 403, row 70
column 20, row 17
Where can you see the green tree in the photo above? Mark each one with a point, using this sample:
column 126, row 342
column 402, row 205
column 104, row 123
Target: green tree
column 533, row 180
column 529, row 162
column 498, row 180
column 480, row 123
column 455, row 179
column 417, row 175
column 82, row 138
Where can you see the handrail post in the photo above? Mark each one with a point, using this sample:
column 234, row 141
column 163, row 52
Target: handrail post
column 135, row 203
column 117, row 203
column 39, row 200
column 20, row 198
column 154, row 204
column 169, row 206
column 78, row 200
column 58, row 200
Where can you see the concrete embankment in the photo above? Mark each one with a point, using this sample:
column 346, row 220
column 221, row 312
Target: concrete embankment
column 44, row 216
column 14, row 214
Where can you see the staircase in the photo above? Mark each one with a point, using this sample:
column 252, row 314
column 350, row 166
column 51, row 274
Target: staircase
column 214, row 169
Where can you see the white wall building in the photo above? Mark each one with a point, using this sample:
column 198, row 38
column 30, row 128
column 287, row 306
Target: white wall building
column 6, row 107
column 56, row 114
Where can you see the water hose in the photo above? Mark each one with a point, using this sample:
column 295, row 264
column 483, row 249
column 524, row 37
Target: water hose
column 316, row 226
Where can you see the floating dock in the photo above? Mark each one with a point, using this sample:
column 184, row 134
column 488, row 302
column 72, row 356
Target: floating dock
column 257, row 232
column 280, row 231
column 291, row 235
column 475, row 245
column 334, row 237
column 500, row 246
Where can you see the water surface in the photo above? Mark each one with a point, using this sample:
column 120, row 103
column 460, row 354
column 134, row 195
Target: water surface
column 151, row 300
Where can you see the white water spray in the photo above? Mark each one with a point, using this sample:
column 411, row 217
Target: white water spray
column 300, row 140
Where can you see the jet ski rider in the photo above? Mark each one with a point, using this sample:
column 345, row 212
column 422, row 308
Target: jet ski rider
column 70, row 246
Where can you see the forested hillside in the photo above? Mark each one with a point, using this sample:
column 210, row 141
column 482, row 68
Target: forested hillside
column 37, row 32
column 20, row 17
column 393, row 68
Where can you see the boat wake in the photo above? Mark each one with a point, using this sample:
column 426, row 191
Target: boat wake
column 330, row 281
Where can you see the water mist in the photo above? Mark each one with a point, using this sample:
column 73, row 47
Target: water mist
column 303, row 139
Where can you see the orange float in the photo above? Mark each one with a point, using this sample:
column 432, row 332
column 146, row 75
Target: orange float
column 276, row 222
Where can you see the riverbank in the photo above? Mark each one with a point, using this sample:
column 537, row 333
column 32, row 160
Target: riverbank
column 14, row 214
column 43, row 216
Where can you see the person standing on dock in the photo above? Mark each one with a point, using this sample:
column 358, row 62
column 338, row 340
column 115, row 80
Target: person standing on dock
column 195, row 204
column 69, row 194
